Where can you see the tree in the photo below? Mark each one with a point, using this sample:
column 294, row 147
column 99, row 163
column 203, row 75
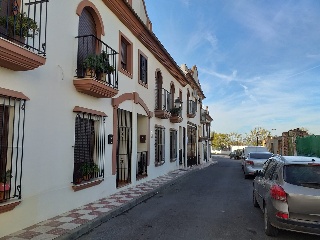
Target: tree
column 235, row 139
column 256, row 136
column 220, row 141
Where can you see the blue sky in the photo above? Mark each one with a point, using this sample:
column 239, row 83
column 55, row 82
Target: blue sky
column 258, row 60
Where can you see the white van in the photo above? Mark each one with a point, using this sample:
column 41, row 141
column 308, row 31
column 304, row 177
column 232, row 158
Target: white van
column 249, row 149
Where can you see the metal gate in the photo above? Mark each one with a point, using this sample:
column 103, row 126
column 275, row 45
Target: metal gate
column 124, row 147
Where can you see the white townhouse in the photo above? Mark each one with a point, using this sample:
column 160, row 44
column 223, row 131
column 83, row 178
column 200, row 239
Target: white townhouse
column 90, row 102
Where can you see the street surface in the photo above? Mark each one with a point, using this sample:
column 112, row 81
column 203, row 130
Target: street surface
column 212, row 203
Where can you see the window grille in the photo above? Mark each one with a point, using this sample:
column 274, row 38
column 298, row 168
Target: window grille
column 89, row 148
column 12, row 122
column 159, row 145
column 173, row 145
column 143, row 69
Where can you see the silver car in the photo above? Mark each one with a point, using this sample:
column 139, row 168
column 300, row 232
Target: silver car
column 254, row 162
column 288, row 192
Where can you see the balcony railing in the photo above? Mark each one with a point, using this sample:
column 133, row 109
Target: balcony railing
column 203, row 116
column 142, row 162
column 163, row 103
column 192, row 108
column 97, row 60
column 176, row 115
column 24, row 22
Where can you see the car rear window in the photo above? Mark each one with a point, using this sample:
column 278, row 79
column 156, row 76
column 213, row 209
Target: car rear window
column 260, row 155
column 303, row 175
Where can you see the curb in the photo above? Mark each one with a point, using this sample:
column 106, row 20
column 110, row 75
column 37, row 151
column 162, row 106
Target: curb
column 87, row 227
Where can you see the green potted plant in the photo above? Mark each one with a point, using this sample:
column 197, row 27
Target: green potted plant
column 175, row 111
column 89, row 64
column 86, row 171
column 108, row 69
column 19, row 25
column 95, row 169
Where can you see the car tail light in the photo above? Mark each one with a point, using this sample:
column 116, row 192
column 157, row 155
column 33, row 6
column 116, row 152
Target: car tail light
column 249, row 163
column 282, row 215
column 278, row 193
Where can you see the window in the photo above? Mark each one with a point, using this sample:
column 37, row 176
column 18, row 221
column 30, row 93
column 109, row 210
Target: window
column 143, row 69
column 159, row 145
column 89, row 148
column 303, row 175
column 270, row 169
column 125, row 55
column 12, row 123
column 173, row 145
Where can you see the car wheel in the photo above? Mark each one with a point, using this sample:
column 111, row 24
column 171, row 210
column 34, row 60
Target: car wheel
column 268, row 228
column 255, row 202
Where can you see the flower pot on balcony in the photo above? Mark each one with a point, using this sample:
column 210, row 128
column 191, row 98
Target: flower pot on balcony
column 4, row 191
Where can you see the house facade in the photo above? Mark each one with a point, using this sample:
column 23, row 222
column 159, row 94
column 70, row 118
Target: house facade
column 90, row 103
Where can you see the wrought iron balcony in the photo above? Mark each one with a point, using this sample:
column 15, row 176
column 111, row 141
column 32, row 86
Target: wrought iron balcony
column 203, row 116
column 23, row 28
column 191, row 109
column 96, row 71
column 176, row 115
column 163, row 104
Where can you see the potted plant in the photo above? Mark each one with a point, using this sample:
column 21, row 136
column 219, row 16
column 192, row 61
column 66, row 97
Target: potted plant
column 108, row 69
column 89, row 64
column 5, row 185
column 86, row 170
column 19, row 25
column 95, row 169
column 175, row 111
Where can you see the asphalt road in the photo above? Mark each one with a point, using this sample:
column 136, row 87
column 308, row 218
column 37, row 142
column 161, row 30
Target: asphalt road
column 212, row 203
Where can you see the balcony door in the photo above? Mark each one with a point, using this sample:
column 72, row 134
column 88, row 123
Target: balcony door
column 86, row 45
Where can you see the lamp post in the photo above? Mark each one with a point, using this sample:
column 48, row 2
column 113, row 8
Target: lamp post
column 177, row 103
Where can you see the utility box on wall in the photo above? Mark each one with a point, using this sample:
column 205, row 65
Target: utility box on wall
column 110, row 139
column 143, row 138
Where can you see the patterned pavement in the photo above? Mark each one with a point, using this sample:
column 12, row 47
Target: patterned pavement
column 64, row 225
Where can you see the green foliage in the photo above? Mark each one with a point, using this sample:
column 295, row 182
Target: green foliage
column 220, row 141
column 5, row 177
column 20, row 23
column 89, row 168
column 98, row 63
column 175, row 111
column 257, row 133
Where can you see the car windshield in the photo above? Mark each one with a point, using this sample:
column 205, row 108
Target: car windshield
column 260, row 155
column 303, row 175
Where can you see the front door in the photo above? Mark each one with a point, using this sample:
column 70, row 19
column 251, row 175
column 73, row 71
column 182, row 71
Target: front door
column 124, row 147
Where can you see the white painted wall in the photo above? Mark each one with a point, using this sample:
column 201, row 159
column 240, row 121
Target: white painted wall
column 49, row 132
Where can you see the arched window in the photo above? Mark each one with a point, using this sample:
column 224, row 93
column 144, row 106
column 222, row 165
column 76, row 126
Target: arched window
column 87, row 33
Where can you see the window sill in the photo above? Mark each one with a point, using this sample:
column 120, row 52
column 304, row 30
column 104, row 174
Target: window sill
column 125, row 72
column 173, row 160
column 9, row 205
column 159, row 163
column 143, row 84
column 85, row 185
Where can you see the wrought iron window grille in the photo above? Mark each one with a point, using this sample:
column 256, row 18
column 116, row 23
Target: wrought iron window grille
column 163, row 100
column 12, row 124
column 159, row 146
column 89, row 148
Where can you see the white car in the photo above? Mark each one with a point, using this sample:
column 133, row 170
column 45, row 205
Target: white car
column 254, row 162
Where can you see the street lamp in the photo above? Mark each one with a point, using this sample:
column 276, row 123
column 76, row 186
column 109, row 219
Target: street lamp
column 177, row 103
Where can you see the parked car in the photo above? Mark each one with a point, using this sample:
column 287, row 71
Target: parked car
column 288, row 192
column 232, row 154
column 254, row 162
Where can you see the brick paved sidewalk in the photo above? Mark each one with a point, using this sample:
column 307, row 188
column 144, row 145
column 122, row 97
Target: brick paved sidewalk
column 76, row 222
